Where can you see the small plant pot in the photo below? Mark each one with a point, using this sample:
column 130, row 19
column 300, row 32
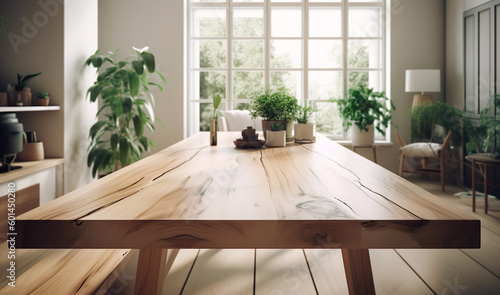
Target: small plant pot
column 32, row 151
column 304, row 133
column 266, row 125
column 275, row 138
column 362, row 138
column 289, row 131
column 23, row 96
column 3, row 99
column 43, row 101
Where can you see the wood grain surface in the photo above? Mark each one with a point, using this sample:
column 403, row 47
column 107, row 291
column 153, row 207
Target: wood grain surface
column 192, row 195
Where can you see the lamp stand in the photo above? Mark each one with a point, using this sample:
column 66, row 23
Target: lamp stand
column 419, row 99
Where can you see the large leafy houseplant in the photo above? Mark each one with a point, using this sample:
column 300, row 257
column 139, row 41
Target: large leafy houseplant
column 126, row 109
column 425, row 117
column 364, row 107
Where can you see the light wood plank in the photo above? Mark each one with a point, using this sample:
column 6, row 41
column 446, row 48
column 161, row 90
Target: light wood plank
column 327, row 269
column 151, row 271
column 358, row 271
column 451, row 272
column 60, row 271
column 489, row 254
column 393, row 276
column 222, row 272
column 30, row 168
column 282, row 272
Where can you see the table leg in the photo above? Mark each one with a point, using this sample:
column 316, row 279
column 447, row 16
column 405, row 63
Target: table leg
column 374, row 154
column 485, row 189
column 358, row 271
column 150, row 271
column 473, row 186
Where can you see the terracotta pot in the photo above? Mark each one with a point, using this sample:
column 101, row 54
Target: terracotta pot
column 3, row 99
column 266, row 125
column 276, row 138
column 32, row 151
column 43, row 101
column 362, row 138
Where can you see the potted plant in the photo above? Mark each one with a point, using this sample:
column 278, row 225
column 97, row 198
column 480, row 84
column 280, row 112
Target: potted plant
column 304, row 131
column 276, row 136
column 19, row 93
column 213, row 121
column 363, row 110
column 43, row 98
column 425, row 117
column 485, row 138
column 275, row 106
column 126, row 109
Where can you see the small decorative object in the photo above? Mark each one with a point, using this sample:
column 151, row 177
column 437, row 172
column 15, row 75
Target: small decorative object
column 3, row 99
column 43, row 98
column 213, row 122
column 250, row 139
column 304, row 131
column 11, row 140
column 275, row 106
column 20, row 90
column 362, row 108
column 276, row 137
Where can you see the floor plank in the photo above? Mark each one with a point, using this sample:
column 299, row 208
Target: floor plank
column 282, row 272
column 489, row 254
column 451, row 271
column 393, row 276
column 220, row 272
column 179, row 272
column 327, row 269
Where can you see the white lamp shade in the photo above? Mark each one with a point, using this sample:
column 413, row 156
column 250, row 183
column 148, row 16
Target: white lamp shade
column 423, row 81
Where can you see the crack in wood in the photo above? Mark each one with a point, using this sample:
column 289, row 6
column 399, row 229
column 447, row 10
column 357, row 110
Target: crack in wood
column 173, row 168
column 361, row 183
column 138, row 189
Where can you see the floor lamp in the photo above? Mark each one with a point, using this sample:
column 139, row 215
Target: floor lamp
column 422, row 81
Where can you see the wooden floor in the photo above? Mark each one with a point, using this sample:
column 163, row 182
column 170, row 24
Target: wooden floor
column 320, row 271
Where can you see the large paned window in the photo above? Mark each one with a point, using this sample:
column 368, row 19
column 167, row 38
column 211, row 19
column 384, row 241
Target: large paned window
column 318, row 49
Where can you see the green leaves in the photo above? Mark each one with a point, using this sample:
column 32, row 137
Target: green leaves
column 216, row 99
column 126, row 103
column 363, row 107
column 273, row 104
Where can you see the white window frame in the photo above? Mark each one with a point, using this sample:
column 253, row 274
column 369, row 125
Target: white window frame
column 193, row 116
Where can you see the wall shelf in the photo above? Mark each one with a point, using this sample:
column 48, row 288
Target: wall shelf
column 28, row 109
column 30, row 168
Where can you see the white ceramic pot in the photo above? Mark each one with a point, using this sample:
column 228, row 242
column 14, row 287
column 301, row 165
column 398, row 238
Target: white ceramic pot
column 275, row 138
column 362, row 138
column 304, row 132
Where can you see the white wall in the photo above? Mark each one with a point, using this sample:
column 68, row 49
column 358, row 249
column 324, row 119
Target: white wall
column 417, row 42
column 159, row 25
column 80, row 41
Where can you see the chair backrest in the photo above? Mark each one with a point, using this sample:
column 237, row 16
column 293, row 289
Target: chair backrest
column 238, row 120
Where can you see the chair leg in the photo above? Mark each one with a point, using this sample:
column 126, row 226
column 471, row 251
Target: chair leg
column 442, row 168
column 401, row 165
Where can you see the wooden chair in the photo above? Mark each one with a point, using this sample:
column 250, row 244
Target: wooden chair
column 424, row 150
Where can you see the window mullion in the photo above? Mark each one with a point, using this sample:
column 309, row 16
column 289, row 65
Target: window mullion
column 305, row 55
column 267, row 42
column 345, row 57
column 229, row 54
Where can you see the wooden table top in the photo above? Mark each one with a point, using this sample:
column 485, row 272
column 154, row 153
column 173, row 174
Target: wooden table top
column 192, row 195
